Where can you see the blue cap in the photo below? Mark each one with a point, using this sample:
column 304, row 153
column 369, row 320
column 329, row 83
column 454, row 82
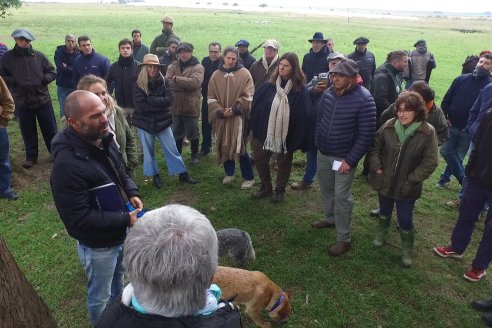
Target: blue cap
column 23, row 33
column 242, row 42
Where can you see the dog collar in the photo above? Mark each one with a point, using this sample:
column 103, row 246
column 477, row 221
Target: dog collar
column 280, row 300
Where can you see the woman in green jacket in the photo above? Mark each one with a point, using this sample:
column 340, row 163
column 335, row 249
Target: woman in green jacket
column 403, row 155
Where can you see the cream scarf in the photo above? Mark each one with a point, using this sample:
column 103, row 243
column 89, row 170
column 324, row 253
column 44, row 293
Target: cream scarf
column 264, row 62
column 278, row 122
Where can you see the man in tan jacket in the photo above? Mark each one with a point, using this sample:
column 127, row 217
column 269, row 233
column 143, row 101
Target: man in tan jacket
column 6, row 114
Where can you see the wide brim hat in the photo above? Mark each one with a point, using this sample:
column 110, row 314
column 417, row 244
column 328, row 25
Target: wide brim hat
column 151, row 59
column 318, row 36
column 23, row 33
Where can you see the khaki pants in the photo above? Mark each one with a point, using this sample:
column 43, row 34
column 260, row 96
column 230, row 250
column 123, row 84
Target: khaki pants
column 261, row 158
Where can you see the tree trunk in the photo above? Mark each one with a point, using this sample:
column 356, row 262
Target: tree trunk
column 20, row 305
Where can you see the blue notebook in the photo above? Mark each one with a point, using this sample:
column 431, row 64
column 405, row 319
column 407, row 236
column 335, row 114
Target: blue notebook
column 106, row 198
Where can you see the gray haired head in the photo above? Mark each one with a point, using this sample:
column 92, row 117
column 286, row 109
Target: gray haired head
column 170, row 256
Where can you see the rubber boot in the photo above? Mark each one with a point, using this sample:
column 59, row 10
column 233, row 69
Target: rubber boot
column 179, row 145
column 381, row 230
column 195, row 144
column 407, row 239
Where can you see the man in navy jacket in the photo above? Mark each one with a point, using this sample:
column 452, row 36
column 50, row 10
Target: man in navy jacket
column 89, row 61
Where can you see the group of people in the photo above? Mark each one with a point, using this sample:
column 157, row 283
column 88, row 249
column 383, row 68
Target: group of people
column 338, row 109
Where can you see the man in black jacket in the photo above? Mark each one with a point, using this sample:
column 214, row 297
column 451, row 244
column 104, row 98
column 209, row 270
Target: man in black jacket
column 365, row 59
column 27, row 73
column 64, row 58
column 246, row 58
column 87, row 162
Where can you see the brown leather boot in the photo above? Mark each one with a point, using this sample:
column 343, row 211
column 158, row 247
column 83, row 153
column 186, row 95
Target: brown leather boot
column 340, row 247
column 265, row 191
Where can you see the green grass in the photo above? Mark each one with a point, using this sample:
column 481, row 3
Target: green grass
column 365, row 288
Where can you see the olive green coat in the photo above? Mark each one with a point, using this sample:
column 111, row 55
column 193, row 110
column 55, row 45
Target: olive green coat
column 405, row 167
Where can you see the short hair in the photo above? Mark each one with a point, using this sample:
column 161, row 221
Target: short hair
column 423, row 89
column 125, row 41
column 215, row 43
column 136, row 31
column 396, row 55
column 298, row 78
column 83, row 38
column 173, row 41
column 69, row 36
column 86, row 81
column 73, row 103
column 170, row 257
column 413, row 102
column 486, row 55
column 230, row 49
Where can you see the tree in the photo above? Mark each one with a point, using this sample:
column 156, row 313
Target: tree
column 20, row 305
column 5, row 5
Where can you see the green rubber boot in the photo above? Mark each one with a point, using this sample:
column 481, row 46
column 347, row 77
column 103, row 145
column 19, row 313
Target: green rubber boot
column 381, row 230
column 407, row 239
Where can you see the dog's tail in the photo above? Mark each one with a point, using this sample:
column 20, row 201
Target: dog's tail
column 251, row 250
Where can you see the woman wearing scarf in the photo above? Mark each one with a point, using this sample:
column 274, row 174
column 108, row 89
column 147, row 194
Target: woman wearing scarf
column 403, row 155
column 279, row 117
column 230, row 92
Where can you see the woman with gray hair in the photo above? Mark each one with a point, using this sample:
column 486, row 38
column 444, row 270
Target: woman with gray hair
column 170, row 258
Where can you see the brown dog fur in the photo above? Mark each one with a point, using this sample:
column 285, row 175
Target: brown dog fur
column 255, row 291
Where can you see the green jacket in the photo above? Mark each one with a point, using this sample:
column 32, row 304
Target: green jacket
column 162, row 41
column 405, row 167
column 126, row 140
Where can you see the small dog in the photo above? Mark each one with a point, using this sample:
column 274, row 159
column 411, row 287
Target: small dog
column 236, row 244
column 256, row 292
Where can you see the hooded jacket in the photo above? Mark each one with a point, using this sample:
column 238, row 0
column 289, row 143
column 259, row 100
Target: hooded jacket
column 64, row 73
column 79, row 166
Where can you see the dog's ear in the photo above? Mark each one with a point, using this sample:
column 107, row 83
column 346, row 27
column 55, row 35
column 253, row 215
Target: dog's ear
column 289, row 293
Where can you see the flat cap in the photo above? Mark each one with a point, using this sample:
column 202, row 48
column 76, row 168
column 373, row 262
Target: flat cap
column 271, row 43
column 242, row 42
column 361, row 40
column 184, row 46
column 346, row 67
column 335, row 55
column 23, row 33
column 420, row 42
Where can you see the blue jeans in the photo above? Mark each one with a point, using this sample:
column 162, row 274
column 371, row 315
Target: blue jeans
column 245, row 164
column 404, row 210
column 5, row 173
column 474, row 198
column 27, row 123
column 63, row 93
column 174, row 161
column 104, row 270
column 454, row 151
column 311, row 166
column 206, row 128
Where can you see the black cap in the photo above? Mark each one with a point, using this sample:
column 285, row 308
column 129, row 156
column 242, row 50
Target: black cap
column 420, row 42
column 361, row 40
column 184, row 46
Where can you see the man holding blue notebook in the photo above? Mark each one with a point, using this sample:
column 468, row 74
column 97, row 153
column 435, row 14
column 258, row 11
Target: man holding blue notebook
column 91, row 189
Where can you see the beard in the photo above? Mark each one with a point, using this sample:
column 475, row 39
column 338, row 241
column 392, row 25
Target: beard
column 92, row 134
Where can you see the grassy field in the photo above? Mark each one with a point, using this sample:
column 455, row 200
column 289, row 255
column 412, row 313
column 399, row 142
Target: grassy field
column 365, row 288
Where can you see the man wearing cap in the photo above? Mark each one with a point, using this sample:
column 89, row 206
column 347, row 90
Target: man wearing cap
column 316, row 87
column 210, row 65
column 246, row 58
column 315, row 61
column 262, row 69
column 365, row 59
column 422, row 62
column 139, row 49
column 64, row 59
column 89, row 61
column 186, row 77
column 170, row 55
column 28, row 72
column 345, row 127
column 161, row 42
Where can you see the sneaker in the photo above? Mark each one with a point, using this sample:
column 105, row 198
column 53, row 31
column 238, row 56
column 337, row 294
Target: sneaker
column 454, row 203
column 247, row 184
column 301, row 185
column 9, row 195
column 321, row 224
column 186, row 142
column 374, row 213
column 447, row 251
column 474, row 274
column 228, row 179
column 441, row 184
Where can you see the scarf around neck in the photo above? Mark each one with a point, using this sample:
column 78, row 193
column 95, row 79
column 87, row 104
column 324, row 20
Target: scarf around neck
column 265, row 62
column 278, row 122
column 404, row 133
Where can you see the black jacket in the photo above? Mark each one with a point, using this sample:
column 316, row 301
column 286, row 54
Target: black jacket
column 118, row 315
column 80, row 166
column 121, row 78
column 64, row 74
column 367, row 65
column 479, row 167
column 385, row 87
column 247, row 59
column 210, row 67
column 314, row 63
column 152, row 112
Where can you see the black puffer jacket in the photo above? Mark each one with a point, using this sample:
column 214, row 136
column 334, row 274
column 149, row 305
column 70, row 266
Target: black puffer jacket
column 121, row 77
column 118, row 315
column 385, row 87
column 152, row 112
column 80, row 166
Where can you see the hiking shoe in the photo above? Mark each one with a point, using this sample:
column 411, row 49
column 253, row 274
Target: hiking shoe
column 301, row 185
column 322, row 224
column 474, row 275
column 247, row 184
column 447, row 251
column 340, row 247
column 228, row 179
column 454, row 203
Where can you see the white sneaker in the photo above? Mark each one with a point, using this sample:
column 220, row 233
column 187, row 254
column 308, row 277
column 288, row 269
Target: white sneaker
column 228, row 179
column 247, row 184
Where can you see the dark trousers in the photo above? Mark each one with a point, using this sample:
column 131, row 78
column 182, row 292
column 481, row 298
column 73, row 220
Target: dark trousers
column 206, row 128
column 474, row 198
column 245, row 165
column 261, row 159
column 27, row 123
column 404, row 210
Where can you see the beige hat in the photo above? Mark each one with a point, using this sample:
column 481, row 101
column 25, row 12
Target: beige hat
column 151, row 59
column 271, row 43
column 167, row 19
